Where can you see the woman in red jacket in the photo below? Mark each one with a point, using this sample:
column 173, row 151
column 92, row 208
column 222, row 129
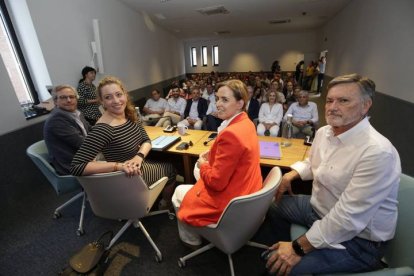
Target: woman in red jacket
column 230, row 169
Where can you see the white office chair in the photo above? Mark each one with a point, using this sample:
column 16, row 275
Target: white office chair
column 398, row 252
column 117, row 196
column 239, row 221
column 62, row 184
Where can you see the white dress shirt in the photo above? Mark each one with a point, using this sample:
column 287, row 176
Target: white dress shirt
column 176, row 105
column 193, row 114
column 355, row 184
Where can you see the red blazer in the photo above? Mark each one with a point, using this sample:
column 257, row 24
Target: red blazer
column 233, row 170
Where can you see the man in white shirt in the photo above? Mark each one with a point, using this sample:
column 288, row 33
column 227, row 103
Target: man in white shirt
column 352, row 211
column 175, row 109
column 195, row 110
column 154, row 108
column 209, row 94
column 305, row 115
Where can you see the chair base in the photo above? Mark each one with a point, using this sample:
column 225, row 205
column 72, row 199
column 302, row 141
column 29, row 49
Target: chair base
column 182, row 260
column 137, row 224
column 57, row 213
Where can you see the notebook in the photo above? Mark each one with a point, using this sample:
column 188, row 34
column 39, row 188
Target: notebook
column 270, row 150
column 163, row 142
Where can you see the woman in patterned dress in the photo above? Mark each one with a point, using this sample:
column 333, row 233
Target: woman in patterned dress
column 88, row 102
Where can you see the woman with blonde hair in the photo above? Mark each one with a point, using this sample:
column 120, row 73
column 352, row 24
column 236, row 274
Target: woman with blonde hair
column 121, row 138
column 270, row 116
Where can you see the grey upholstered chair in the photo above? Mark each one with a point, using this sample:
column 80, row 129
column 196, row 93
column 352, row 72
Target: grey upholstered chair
column 398, row 254
column 62, row 184
column 117, row 196
column 239, row 221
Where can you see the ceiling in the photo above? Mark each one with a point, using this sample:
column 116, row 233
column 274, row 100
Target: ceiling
column 243, row 17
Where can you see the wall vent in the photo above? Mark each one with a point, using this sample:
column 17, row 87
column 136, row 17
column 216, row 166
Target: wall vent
column 213, row 10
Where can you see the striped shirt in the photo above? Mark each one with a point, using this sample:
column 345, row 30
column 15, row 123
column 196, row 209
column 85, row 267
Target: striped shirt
column 117, row 144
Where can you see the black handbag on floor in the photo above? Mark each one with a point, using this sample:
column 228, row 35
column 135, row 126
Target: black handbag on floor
column 90, row 259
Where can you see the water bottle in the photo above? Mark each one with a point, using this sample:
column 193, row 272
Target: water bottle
column 138, row 113
column 287, row 131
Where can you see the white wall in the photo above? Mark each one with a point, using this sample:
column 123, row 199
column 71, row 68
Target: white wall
column 254, row 53
column 133, row 49
column 374, row 38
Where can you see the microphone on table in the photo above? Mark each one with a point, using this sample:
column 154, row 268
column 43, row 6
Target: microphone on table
column 208, row 141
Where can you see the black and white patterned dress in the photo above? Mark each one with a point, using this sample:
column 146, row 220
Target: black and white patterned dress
column 119, row 144
column 87, row 92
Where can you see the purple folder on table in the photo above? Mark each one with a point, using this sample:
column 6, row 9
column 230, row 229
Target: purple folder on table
column 270, row 150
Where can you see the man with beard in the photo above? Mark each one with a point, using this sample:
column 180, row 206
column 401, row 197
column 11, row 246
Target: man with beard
column 175, row 108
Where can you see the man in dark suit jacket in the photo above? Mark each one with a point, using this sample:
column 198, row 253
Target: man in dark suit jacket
column 65, row 129
column 195, row 110
column 253, row 105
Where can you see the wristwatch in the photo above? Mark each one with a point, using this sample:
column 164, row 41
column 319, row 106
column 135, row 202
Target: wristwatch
column 140, row 154
column 298, row 248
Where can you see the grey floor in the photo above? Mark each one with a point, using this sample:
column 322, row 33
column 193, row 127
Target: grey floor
column 33, row 243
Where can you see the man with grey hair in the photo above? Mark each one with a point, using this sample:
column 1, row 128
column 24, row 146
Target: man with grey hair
column 352, row 211
column 305, row 115
column 65, row 129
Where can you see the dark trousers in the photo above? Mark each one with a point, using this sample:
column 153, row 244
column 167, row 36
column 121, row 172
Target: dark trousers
column 212, row 123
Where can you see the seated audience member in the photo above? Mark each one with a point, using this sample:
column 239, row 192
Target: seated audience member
column 260, row 95
column 181, row 91
column 353, row 208
column 253, row 105
column 175, row 109
column 65, row 129
column 275, row 86
column 213, row 121
column 209, row 94
column 231, row 168
column 305, row 115
column 154, row 108
column 122, row 140
column 270, row 116
column 195, row 110
column 289, row 92
column 88, row 103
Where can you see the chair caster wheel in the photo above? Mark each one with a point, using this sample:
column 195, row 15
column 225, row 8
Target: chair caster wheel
column 158, row 258
column 57, row 215
column 80, row 232
column 181, row 263
column 171, row 216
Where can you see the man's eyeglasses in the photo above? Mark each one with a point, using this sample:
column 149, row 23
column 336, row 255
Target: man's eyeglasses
column 68, row 97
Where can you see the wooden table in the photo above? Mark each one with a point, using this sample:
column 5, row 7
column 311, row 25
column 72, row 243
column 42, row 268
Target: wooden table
column 197, row 137
column 296, row 152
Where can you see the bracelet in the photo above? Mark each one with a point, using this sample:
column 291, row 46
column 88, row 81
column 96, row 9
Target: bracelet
column 140, row 154
column 298, row 248
column 115, row 167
